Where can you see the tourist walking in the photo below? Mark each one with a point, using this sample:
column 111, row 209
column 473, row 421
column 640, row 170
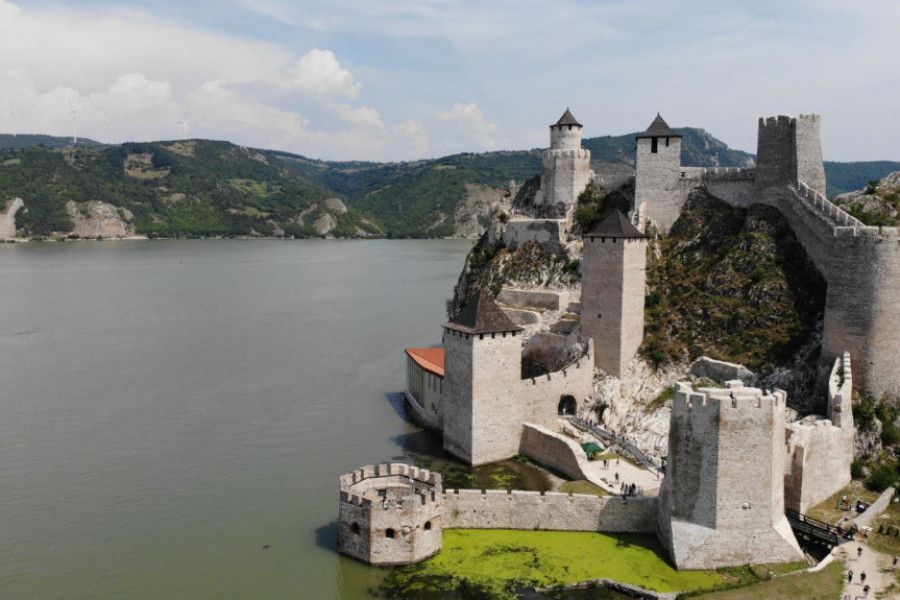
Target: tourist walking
column 850, row 576
column 866, row 589
column 859, row 552
column 862, row 577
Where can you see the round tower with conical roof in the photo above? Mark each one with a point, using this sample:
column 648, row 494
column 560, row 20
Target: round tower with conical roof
column 566, row 166
column 657, row 172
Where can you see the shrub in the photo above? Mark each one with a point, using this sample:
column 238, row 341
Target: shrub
column 881, row 477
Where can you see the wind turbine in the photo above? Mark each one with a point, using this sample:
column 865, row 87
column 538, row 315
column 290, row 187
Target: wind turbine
column 74, row 125
column 184, row 128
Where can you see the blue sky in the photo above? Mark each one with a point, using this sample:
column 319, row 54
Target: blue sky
column 407, row 79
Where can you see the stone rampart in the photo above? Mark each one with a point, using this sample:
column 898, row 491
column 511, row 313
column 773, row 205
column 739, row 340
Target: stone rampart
column 555, row 451
column 721, row 371
column 875, row 509
column 499, row 509
column 534, row 298
column 547, row 233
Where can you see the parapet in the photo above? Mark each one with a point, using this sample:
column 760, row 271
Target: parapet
column 840, row 392
column 370, row 484
column 735, row 396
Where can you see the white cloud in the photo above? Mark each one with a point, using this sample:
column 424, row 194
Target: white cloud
column 320, row 73
column 472, row 123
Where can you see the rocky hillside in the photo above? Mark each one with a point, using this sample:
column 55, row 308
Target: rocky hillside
column 170, row 189
column 877, row 204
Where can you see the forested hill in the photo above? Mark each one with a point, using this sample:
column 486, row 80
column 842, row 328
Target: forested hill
column 208, row 188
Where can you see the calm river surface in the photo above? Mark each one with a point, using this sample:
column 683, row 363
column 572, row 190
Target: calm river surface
column 169, row 408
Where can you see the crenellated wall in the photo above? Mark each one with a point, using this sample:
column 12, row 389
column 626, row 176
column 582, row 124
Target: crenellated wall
column 549, row 234
column 499, row 509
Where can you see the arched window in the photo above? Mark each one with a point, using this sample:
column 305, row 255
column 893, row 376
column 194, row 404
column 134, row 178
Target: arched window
column 427, row 525
column 389, row 533
column 354, row 527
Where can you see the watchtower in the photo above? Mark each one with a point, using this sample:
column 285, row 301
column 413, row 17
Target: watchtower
column 483, row 413
column 613, row 276
column 657, row 172
column 566, row 166
column 390, row 514
column 722, row 501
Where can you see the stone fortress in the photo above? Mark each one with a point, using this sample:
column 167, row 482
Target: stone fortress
column 734, row 463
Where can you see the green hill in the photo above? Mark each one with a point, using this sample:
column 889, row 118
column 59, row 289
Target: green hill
column 208, row 188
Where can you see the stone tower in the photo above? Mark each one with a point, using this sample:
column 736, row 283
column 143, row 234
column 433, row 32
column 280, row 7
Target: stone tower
column 789, row 151
column 613, row 276
column 390, row 514
column 722, row 501
column 483, row 370
column 566, row 166
column 657, row 173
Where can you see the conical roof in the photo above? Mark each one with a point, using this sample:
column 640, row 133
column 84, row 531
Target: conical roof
column 615, row 225
column 658, row 128
column 567, row 119
column 481, row 315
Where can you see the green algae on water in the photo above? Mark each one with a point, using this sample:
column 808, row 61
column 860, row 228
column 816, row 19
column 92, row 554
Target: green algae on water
column 503, row 563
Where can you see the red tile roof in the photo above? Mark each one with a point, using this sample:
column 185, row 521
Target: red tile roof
column 430, row 359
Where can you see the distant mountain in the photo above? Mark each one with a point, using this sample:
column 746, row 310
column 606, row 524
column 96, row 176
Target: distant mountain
column 207, row 188
column 28, row 140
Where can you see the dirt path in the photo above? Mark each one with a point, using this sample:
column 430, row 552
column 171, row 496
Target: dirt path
column 880, row 573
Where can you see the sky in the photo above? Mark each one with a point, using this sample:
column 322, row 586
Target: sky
column 392, row 80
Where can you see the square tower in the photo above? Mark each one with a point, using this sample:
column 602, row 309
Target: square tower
column 483, row 414
column 565, row 166
column 613, row 278
column 722, row 501
column 657, row 173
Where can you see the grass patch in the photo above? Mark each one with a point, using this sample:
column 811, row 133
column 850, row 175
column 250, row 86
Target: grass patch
column 501, row 563
column 582, row 486
column 828, row 510
column 827, row 583
column 885, row 536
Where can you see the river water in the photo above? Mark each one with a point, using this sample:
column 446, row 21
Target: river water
column 174, row 415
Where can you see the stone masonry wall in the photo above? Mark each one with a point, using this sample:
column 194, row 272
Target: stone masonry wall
column 613, row 280
column 497, row 509
column 657, row 181
column 554, row 451
column 722, row 502
column 547, row 233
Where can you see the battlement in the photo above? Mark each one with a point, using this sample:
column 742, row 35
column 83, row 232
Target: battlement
column 552, row 156
column 825, row 208
column 734, row 397
column 390, row 486
column 840, row 392
column 584, row 360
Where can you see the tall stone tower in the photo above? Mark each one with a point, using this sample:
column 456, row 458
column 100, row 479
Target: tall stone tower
column 566, row 166
column 722, row 501
column 657, row 172
column 483, row 369
column 789, row 151
column 613, row 276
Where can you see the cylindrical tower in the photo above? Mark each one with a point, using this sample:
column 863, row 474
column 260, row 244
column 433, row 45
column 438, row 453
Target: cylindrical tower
column 390, row 514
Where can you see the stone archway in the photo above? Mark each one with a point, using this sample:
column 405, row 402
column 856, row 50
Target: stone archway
column 567, row 405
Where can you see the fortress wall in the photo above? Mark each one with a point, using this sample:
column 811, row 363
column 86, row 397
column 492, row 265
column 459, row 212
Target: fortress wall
column 497, row 509
column 736, row 192
column 547, row 233
column 534, row 298
column 819, row 456
column 554, row 451
column 862, row 307
column 840, row 393
column 542, row 394
column 424, row 395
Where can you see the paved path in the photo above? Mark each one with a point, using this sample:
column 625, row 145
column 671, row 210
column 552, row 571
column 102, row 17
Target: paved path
column 628, row 473
column 877, row 567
